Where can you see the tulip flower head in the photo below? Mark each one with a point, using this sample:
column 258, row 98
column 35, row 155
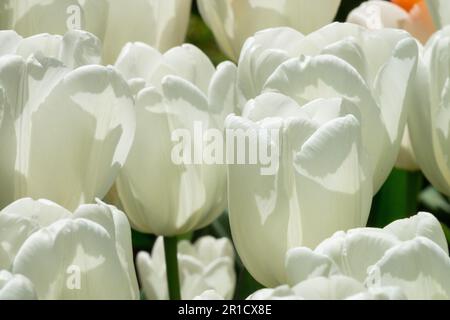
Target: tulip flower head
column 374, row 69
column 82, row 255
column 208, row 264
column 174, row 92
column 66, row 125
column 407, row 259
column 428, row 120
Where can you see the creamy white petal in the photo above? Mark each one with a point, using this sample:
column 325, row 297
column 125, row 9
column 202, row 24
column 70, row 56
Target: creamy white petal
column 74, row 259
column 15, row 287
column 21, row 219
column 421, row 225
column 92, row 110
column 440, row 10
column 420, row 267
column 161, row 24
column 353, row 252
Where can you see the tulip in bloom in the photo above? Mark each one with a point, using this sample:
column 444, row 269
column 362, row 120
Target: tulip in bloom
column 374, row 70
column 408, row 259
column 84, row 255
column 162, row 24
column 174, row 91
column 65, row 131
column 323, row 182
column 208, row 264
column 232, row 22
column 15, row 287
column 430, row 115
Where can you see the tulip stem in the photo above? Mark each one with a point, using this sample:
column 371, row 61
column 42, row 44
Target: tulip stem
column 173, row 279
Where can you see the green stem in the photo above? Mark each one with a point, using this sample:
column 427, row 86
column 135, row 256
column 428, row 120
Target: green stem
column 173, row 280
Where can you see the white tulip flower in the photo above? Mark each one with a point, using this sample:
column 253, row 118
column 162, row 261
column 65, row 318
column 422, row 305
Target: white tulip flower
column 84, row 255
column 65, row 131
column 15, row 287
column 208, row 264
column 232, row 22
column 176, row 92
column 162, row 24
column 377, row 77
column 429, row 118
column 322, row 180
column 407, row 259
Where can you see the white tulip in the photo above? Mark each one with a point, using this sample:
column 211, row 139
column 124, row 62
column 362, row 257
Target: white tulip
column 407, row 259
column 232, row 22
column 175, row 91
column 376, row 76
column 162, row 24
column 64, row 131
column 429, row 118
column 208, row 264
column 322, row 183
column 84, row 255
column 15, row 287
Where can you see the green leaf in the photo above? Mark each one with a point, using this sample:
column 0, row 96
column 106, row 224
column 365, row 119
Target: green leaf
column 397, row 199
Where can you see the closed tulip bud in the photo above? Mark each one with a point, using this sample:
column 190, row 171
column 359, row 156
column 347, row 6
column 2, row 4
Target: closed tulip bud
column 15, row 287
column 162, row 24
column 65, row 131
column 180, row 97
column 407, row 259
column 208, row 264
column 317, row 182
column 232, row 22
column 429, row 118
column 377, row 74
column 84, row 255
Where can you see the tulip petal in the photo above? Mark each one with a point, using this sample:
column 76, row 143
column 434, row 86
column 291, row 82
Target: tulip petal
column 15, row 287
column 420, row 267
column 73, row 259
column 421, row 225
column 303, row 264
column 353, row 252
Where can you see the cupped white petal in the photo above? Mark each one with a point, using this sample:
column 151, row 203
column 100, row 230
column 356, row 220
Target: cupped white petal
column 421, row 225
column 15, row 287
column 420, row 267
column 74, row 259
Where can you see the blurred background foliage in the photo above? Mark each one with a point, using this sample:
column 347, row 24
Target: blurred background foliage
column 403, row 194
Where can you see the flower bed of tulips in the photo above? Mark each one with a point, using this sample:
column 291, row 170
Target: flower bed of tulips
column 220, row 149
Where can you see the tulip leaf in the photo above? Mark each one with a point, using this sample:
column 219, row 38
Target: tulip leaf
column 397, row 199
